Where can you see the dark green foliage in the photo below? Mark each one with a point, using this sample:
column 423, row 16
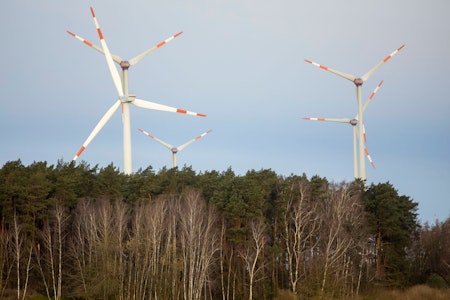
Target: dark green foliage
column 11, row 188
column 392, row 220
column 25, row 191
column 70, row 183
column 109, row 183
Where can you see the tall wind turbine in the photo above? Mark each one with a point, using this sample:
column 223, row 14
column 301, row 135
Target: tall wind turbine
column 174, row 150
column 354, row 122
column 358, row 81
column 125, row 99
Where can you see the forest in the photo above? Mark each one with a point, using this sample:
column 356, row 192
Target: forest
column 75, row 231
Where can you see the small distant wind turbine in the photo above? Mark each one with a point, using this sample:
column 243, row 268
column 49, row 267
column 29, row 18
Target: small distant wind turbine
column 354, row 122
column 121, row 85
column 174, row 150
column 358, row 81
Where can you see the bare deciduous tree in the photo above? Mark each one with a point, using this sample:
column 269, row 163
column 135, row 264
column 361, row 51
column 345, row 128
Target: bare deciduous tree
column 6, row 258
column 300, row 230
column 150, row 258
column 342, row 216
column 253, row 252
column 51, row 252
column 199, row 243
column 22, row 250
column 120, row 236
column 97, row 247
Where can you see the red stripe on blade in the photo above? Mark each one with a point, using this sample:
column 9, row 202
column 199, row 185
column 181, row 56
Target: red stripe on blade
column 100, row 34
column 87, row 43
column 80, row 151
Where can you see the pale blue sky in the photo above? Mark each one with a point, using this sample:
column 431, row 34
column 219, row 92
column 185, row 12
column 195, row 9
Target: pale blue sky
column 241, row 63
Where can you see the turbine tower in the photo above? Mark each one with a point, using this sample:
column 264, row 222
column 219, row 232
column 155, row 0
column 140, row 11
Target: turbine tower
column 354, row 122
column 174, row 150
column 358, row 81
column 125, row 99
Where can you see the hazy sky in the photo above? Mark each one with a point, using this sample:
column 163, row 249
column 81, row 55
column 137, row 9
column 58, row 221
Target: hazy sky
column 242, row 64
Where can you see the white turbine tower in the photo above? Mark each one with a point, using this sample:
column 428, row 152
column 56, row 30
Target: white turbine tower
column 358, row 81
column 354, row 122
column 125, row 99
column 173, row 149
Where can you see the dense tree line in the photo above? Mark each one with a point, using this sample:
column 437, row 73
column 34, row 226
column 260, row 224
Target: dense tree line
column 83, row 232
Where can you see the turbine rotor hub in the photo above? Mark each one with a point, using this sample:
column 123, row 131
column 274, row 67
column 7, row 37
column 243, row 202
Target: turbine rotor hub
column 124, row 64
column 358, row 82
column 174, row 150
column 353, row 122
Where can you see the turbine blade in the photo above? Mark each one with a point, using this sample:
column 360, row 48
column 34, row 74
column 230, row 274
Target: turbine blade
column 369, row 158
column 372, row 95
column 136, row 59
column 98, row 127
column 167, row 145
column 193, row 140
column 339, row 73
column 368, row 74
column 156, row 106
column 112, row 69
column 364, row 133
column 116, row 58
column 343, row 120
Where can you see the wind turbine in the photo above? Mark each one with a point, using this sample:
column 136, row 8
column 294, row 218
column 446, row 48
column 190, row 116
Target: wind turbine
column 125, row 99
column 354, row 122
column 358, row 81
column 174, row 150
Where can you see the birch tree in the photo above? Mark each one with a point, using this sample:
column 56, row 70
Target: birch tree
column 199, row 243
column 342, row 216
column 6, row 258
column 253, row 253
column 300, row 229
column 151, row 256
column 51, row 252
column 22, row 250
column 97, row 248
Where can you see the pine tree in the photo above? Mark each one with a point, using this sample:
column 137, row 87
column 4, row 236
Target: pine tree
column 393, row 223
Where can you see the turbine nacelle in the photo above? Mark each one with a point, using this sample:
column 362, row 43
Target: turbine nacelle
column 127, row 98
column 174, row 150
column 353, row 122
